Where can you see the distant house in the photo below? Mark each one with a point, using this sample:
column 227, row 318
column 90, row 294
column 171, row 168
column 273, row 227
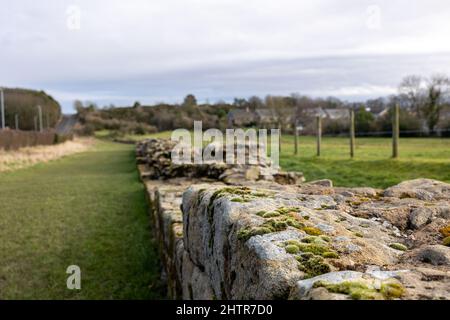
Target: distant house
column 378, row 112
column 266, row 116
column 444, row 115
column 337, row 114
column 332, row 114
column 241, row 118
column 270, row 117
column 315, row 112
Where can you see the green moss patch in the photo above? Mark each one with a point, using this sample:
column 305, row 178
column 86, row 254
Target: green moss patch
column 292, row 249
column 311, row 253
column 313, row 265
column 241, row 194
column 312, row 231
column 398, row 246
column 446, row 241
column 365, row 290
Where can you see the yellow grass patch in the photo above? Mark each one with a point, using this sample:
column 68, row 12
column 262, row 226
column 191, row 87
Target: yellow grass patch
column 26, row 157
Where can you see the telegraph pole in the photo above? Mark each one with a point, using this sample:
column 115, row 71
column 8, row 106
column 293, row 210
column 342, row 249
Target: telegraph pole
column 2, row 98
column 40, row 118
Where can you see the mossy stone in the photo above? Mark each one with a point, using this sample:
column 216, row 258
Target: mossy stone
column 330, row 255
column 270, row 214
column 293, row 242
column 292, row 249
column 362, row 290
column 312, row 231
column 445, row 231
column 446, row 241
column 315, row 266
column 398, row 246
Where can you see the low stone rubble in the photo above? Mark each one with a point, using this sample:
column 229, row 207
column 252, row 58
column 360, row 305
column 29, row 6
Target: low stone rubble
column 156, row 155
column 259, row 239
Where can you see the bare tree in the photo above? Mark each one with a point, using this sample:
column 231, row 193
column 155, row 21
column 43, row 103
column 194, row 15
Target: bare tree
column 412, row 88
column 426, row 96
column 438, row 88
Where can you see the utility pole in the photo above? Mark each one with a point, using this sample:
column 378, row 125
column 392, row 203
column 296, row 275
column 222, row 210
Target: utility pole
column 2, row 98
column 40, row 118
column 352, row 132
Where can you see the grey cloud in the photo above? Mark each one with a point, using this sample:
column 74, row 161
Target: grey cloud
column 161, row 50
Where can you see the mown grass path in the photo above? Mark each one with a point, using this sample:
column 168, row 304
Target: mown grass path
column 88, row 210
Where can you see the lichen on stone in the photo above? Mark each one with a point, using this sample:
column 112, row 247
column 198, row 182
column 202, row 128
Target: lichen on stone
column 398, row 246
column 445, row 231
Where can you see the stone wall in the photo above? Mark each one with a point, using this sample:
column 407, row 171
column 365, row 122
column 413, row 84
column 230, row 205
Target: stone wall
column 251, row 237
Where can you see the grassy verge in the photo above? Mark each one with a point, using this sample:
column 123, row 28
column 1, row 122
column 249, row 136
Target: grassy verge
column 372, row 164
column 87, row 209
column 29, row 156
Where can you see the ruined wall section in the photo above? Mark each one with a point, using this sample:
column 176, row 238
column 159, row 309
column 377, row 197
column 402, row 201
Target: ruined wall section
column 259, row 239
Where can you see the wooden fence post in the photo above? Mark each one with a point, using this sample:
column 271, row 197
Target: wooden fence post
column 279, row 141
column 16, row 116
column 395, row 131
column 319, row 134
column 352, row 132
column 296, row 139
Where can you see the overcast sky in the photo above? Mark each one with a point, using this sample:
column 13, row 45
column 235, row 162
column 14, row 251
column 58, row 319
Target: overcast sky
column 111, row 51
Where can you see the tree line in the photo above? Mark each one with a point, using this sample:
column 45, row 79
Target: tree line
column 424, row 109
column 21, row 105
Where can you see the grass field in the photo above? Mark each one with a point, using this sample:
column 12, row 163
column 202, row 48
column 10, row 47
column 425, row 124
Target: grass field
column 372, row 164
column 87, row 209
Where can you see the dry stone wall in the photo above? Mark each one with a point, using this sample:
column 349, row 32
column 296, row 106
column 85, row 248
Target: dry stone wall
column 251, row 237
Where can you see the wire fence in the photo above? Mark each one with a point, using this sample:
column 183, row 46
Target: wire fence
column 412, row 133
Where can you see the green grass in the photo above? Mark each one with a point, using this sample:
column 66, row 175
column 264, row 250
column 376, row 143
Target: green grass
column 109, row 135
column 372, row 165
column 87, row 209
